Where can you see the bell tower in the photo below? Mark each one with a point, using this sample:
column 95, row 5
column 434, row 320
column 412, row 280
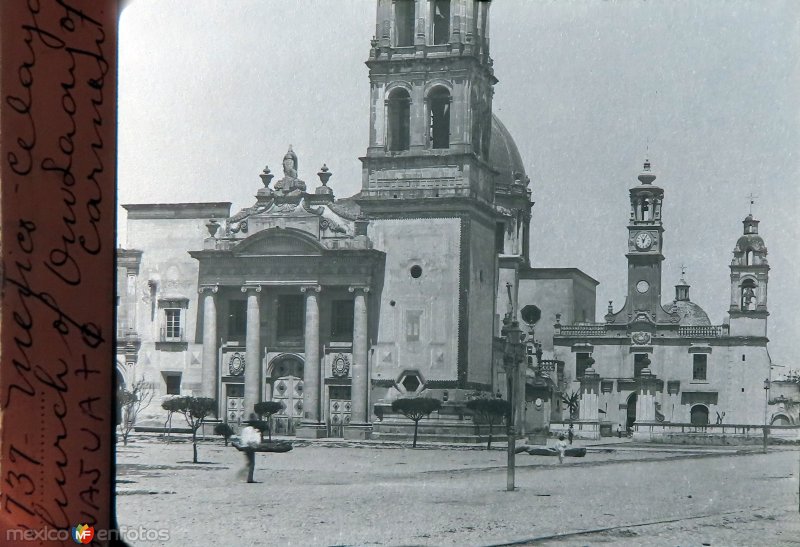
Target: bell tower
column 431, row 86
column 749, row 277
column 645, row 246
column 428, row 190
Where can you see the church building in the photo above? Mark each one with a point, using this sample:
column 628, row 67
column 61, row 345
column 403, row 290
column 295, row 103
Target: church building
column 652, row 363
column 336, row 307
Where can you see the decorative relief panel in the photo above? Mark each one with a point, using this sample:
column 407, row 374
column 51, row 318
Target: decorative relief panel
column 340, row 365
column 236, row 364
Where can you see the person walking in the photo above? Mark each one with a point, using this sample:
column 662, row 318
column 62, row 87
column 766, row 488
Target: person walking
column 570, row 434
column 249, row 437
column 561, row 446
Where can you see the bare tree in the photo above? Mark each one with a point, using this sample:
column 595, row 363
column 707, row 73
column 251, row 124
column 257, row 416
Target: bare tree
column 131, row 403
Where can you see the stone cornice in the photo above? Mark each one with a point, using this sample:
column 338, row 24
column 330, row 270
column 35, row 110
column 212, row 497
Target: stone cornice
column 201, row 210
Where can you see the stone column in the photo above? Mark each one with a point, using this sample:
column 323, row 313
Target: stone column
column 252, row 367
column 209, row 372
column 311, row 426
column 359, row 428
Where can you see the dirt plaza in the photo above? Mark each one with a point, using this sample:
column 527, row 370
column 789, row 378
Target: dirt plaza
column 357, row 493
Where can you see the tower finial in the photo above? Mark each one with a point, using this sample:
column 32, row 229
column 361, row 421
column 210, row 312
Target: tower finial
column 646, row 176
column 682, row 288
column 752, row 197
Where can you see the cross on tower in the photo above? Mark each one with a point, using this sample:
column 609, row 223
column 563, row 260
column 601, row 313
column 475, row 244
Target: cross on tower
column 752, row 197
column 683, row 270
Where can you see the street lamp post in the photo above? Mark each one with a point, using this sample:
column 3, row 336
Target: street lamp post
column 767, row 385
column 766, row 408
column 513, row 354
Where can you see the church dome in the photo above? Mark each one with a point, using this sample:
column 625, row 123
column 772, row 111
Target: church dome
column 504, row 155
column 691, row 315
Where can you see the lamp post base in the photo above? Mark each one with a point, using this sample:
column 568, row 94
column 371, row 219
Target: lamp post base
column 512, row 445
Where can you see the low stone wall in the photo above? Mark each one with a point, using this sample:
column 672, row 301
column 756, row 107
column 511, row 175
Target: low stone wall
column 721, row 434
column 581, row 429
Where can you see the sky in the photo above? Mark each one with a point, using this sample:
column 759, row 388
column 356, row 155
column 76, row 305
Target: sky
column 210, row 92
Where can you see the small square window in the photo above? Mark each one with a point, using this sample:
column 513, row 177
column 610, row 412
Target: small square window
column 173, row 382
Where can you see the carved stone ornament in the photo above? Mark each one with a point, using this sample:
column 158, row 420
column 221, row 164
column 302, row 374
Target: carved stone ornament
column 328, row 224
column 640, row 338
column 340, row 367
column 236, row 364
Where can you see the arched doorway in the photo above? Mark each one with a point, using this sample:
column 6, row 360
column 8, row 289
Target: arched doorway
column 699, row 415
column 781, row 419
column 286, row 378
column 631, row 413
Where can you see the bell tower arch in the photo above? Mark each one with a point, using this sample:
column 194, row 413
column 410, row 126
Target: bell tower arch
column 749, row 278
column 431, row 87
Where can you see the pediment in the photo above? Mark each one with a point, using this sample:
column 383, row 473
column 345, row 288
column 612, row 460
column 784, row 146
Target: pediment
column 279, row 241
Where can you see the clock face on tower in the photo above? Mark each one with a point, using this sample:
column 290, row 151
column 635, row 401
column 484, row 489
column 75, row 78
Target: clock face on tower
column 643, row 241
column 642, row 286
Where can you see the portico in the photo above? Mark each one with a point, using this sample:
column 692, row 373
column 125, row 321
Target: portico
column 281, row 310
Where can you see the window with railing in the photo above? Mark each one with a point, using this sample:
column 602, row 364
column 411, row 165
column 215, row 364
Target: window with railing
column 172, row 319
column 172, row 325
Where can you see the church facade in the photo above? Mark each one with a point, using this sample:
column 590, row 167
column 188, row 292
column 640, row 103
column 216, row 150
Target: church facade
column 651, row 363
column 335, row 307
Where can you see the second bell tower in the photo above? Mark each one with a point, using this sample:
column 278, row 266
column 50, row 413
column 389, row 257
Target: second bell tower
column 645, row 245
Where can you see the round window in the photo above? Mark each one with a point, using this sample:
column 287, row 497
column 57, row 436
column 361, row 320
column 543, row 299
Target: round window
column 416, row 272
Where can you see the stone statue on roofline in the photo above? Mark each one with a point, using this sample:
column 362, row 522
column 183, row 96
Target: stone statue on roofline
column 290, row 185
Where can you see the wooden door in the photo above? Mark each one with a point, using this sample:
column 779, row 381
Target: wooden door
column 288, row 391
column 339, row 408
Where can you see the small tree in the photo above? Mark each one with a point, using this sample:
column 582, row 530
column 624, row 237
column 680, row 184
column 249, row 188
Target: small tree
column 171, row 405
column 572, row 401
column 415, row 409
column 225, row 430
column 131, row 403
column 266, row 409
column 489, row 411
column 196, row 410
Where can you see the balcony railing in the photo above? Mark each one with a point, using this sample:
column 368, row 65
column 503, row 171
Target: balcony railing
column 585, row 329
column 173, row 334
column 703, row 331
